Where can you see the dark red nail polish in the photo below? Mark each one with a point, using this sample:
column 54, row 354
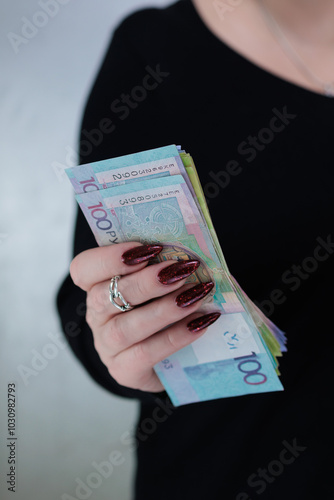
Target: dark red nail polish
column 194, row 294
column 178, row 271
column 140, row 254
column 199, row 324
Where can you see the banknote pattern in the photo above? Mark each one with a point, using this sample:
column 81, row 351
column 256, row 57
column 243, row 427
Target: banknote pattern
column 156, row 197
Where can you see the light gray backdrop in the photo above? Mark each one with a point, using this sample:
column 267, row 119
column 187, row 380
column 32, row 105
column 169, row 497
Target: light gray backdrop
column 64, row 422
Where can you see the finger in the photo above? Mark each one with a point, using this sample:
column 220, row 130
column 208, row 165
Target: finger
column 98, row 264
column 134, row 366
column 124, row 330
column 146, row 284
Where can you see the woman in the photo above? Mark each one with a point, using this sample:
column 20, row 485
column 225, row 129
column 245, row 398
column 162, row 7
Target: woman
column 245, row 87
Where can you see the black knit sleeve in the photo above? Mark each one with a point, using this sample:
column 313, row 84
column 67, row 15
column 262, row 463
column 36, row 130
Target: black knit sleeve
column 110, row 127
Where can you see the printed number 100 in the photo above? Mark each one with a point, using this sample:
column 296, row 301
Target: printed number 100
column 251, row 368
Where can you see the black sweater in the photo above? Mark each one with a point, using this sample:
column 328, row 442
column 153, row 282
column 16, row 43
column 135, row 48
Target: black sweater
column 263, row 148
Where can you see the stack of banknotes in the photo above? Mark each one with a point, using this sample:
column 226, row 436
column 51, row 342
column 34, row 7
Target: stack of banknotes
column 156, row 196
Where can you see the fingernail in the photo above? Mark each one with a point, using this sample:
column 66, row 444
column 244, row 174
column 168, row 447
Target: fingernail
column 199, row 324
column 140, row 254
column 194, row 294
column 178, row 271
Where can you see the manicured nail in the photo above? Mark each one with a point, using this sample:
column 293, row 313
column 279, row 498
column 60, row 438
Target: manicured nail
column 140, row 254
column 178, row 271
column 199, row 324
column 194, row 294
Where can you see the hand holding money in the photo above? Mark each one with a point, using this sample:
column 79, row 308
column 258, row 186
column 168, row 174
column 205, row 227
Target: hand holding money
column 131, row 344
column 155, row 197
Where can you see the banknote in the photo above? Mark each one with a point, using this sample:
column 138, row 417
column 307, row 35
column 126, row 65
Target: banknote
column 163, row 210
column 188, row 381
column 145, row 165
column 150, row 164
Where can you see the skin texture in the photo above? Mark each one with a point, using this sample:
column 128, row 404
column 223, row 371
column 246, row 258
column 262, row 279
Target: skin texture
column 307, row 24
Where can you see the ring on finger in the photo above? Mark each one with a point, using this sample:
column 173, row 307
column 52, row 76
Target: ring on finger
column 114, row 293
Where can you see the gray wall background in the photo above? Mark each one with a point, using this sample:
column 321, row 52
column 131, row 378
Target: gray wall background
column 64, row 421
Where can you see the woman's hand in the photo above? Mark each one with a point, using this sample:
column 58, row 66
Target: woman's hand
column 131, row 343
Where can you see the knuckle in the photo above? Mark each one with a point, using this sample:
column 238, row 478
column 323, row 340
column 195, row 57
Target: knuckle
column 171, row 339
column 90, row 311
column 128, row 373
column 119, row 377
column 89, row 317
column 141, row 356
column 163, row 313
column 104, row 264
column 115, row 336
column 111, row 366
column 106, row 261
column 119, row 373
column 89, row 301
column 140, row 286
column 106, row 357
column 75, row 271
column 96, row 299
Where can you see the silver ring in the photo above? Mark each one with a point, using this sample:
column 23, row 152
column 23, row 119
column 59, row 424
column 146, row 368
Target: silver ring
column 115, row 294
